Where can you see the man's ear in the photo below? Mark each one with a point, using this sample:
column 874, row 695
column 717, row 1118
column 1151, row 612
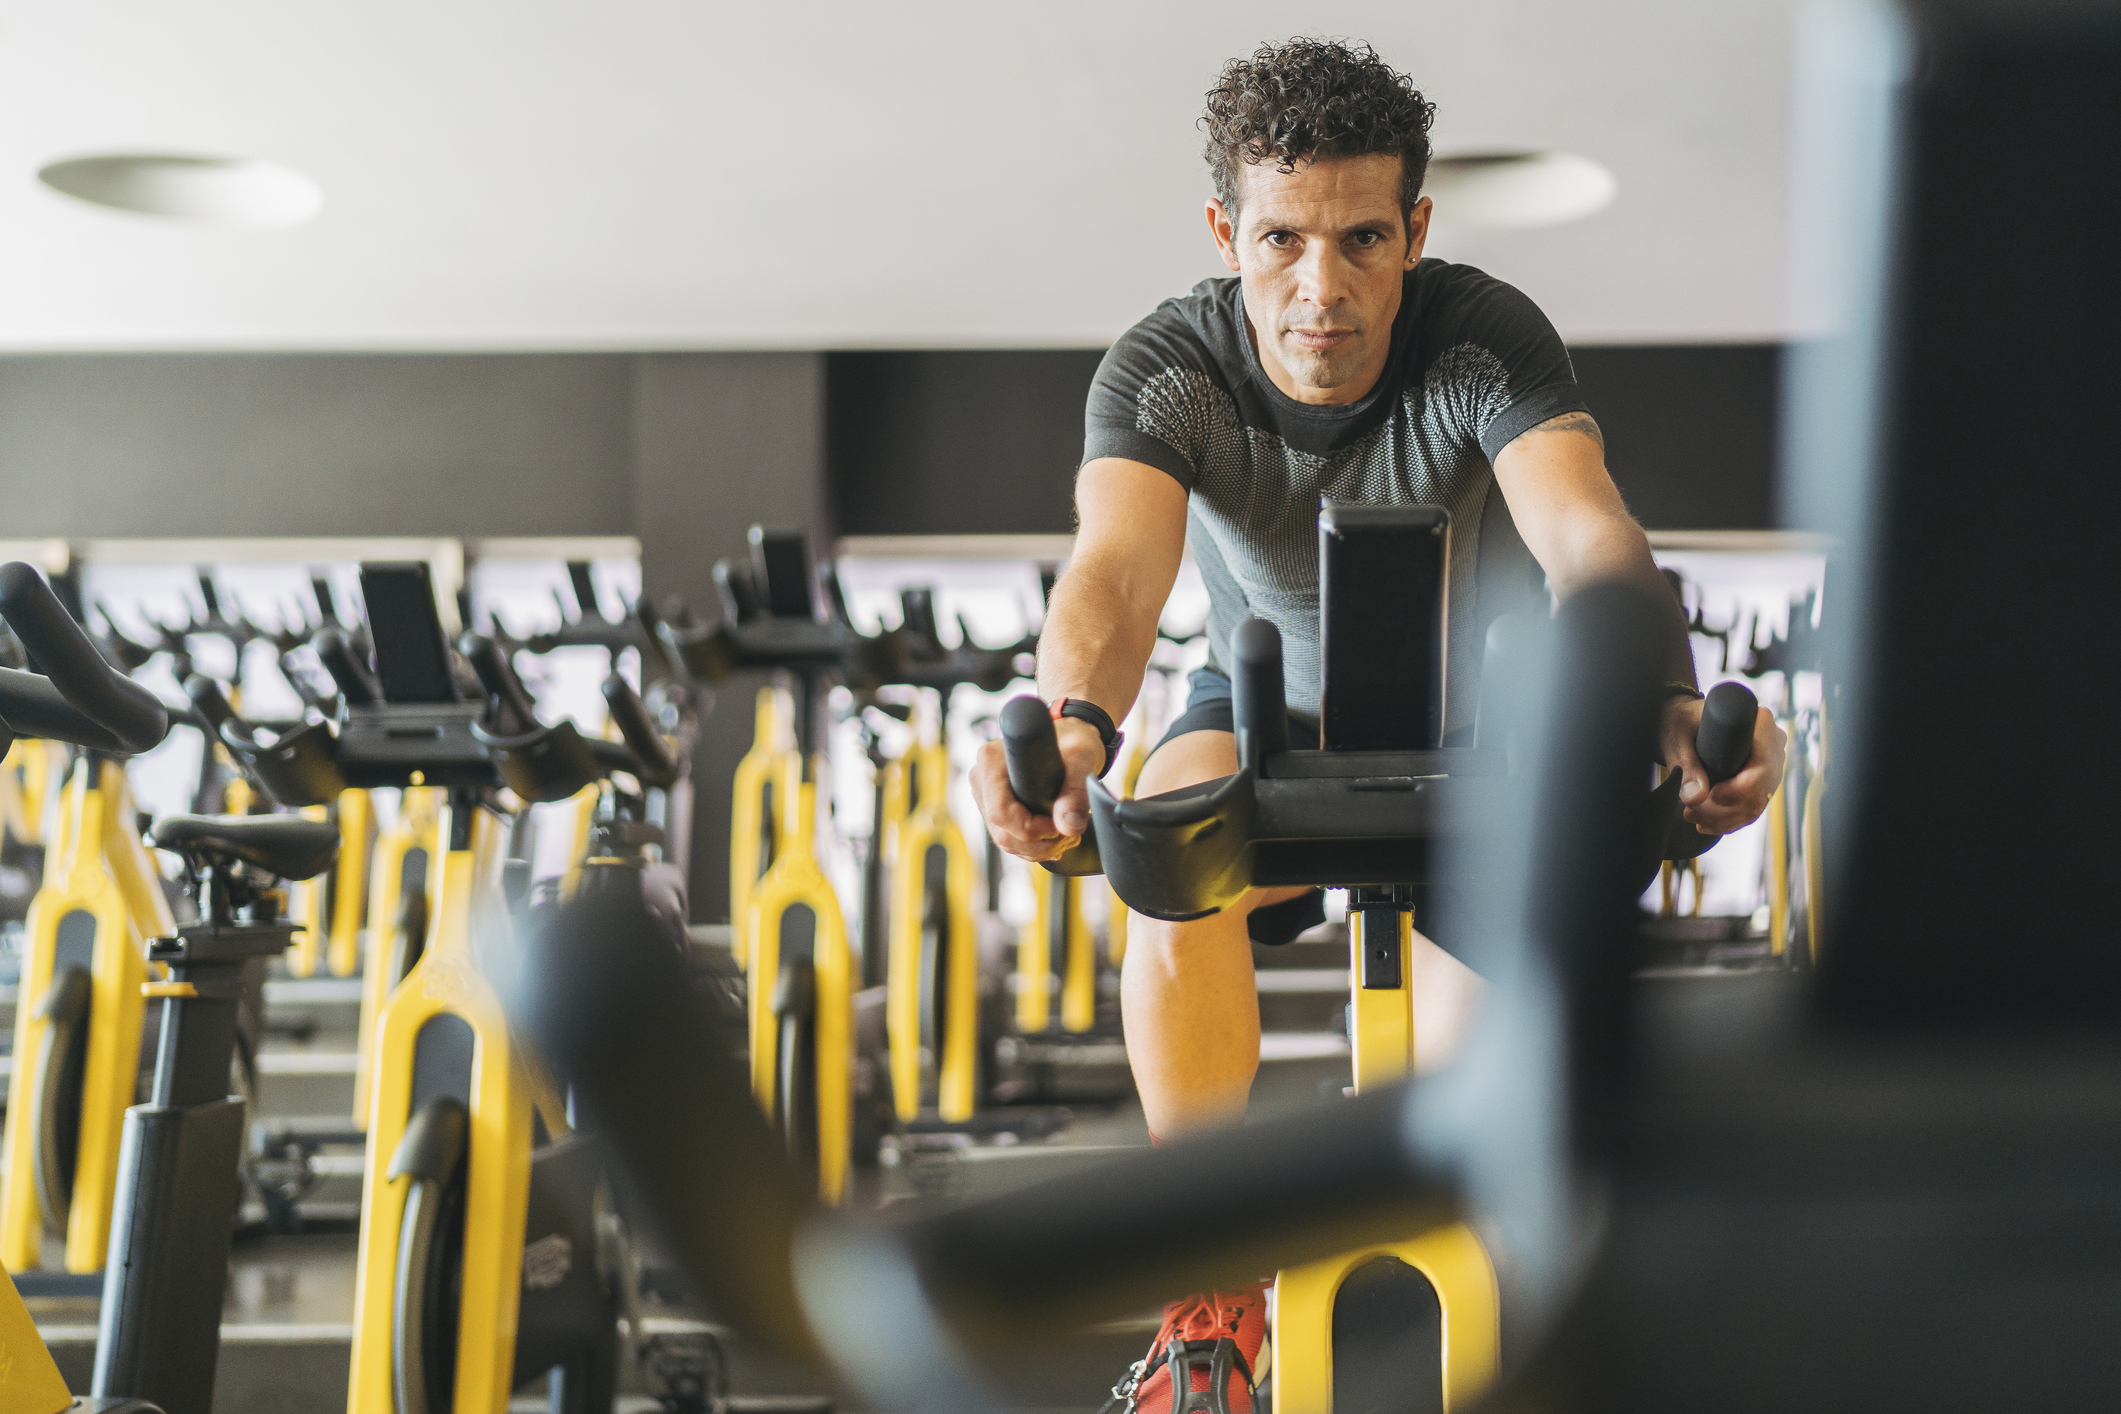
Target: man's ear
column 1418, row 230
column 1223, row 226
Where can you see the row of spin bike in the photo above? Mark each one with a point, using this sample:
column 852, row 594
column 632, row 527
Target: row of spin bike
column 490, row 1250
column 457, row 737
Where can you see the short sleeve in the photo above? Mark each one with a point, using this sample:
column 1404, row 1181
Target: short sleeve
column 1155, row 398
column 1532, row 378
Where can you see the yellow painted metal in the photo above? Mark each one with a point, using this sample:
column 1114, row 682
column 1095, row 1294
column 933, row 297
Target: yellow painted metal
column 1451, row 1258
column 30, row 1382
column 1382, row 1020
column 1778, row 867
column 413, row 833
column 1455, row 1264
column 796, row 881
column 469, row 917
column 585, row 818
column 1814, row 841
column 758, row 824
column 349, row 888
column 153, row 991
column 1058, row 911
column 25, row 787
column 1116, row 914
column 308, row 947
column 98, row 869
column 931, row 826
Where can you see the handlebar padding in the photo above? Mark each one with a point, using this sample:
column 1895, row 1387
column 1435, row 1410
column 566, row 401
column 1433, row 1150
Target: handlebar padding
column 1032, row 750
column 657, row 767
column 1259, row 708
column 357, row 686
column 128, row 714
column 514, row 713
column 1724, row 741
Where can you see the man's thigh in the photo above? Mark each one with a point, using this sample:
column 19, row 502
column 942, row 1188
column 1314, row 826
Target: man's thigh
column 1187, row 761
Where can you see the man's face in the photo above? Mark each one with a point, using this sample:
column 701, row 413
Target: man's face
column 1321, row 252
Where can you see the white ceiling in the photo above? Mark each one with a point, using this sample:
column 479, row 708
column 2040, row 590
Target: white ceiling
column 654, row 174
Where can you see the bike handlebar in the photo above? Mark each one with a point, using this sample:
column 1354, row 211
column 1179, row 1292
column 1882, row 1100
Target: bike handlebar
column 104, row 709
column 1724, row 740
column 655, row 765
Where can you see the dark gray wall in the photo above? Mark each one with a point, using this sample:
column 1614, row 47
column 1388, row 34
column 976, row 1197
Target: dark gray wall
column 1690, row 433
column 945, row 443
column 684, row 451
column 275, row 444
column 933, row 443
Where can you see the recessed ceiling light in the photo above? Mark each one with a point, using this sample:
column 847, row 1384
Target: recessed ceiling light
column 215, row 191
column 1514, row 191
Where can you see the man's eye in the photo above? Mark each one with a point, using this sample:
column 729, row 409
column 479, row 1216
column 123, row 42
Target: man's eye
column 1366, row 239
column 1281, row 238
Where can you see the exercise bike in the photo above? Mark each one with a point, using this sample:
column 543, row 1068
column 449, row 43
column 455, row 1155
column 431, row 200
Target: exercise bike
column 1364, row 813
column 178, row 1183
column 485, row 1258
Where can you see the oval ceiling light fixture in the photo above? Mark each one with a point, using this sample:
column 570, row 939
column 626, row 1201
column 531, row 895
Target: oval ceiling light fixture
column 213, row 191
column 1516, row 191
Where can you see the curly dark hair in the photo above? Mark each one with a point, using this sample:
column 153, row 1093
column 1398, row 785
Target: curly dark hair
column 1313, row 98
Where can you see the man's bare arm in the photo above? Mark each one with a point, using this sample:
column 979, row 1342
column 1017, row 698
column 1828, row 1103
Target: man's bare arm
column 1099, row 631
column 1573, row 521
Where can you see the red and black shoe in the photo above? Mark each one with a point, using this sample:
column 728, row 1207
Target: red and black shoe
column 1211, row 1348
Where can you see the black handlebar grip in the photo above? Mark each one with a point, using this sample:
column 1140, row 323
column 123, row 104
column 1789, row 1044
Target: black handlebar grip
column 33, row 707
column 127, row 711
column 1031, row 749
column 1724, row 741
column 514, row 713
column 1258, row 706
column 357, row 686
column 658, row 767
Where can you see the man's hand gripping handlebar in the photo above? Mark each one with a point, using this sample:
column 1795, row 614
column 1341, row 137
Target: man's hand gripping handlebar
column 1032, row 788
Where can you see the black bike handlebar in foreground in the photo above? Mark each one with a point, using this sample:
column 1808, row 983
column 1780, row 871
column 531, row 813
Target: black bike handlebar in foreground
column 903, row 1309
column 76, row 697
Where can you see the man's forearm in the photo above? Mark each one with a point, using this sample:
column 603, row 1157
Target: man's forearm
column 1099, row 633
column 1621, row 554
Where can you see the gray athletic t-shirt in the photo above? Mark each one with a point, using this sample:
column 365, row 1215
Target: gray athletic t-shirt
column 1473, row 364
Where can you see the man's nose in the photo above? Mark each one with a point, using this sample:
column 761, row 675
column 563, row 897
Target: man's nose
column 1321, row 275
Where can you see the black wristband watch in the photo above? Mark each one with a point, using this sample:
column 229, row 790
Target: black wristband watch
column 1108, row 732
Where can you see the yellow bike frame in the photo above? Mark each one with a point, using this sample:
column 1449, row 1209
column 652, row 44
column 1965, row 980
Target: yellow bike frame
column 25, row 783
column 931, row 826
column 1451, row 1258
column 1034, row 957
column 1814, row 842
column 100, row 872
column 468, row 917
column 412, row 838
column 30, row 1382
column 796, row 881
column 756, row 833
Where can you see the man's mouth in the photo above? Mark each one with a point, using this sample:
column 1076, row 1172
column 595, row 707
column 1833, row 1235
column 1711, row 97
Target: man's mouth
column 1319, row 340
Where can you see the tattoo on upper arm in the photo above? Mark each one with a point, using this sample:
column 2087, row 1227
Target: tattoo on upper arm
column 1574, row 422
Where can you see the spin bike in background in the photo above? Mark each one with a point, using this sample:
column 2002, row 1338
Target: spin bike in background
column 176, row 1202
column 1366, row 813
column 483, row 1261
column 78, row 1024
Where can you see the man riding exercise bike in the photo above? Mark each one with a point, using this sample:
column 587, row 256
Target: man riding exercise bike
column 1337, row 364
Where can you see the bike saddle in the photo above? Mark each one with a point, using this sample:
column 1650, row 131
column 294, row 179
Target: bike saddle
column 284, row 845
